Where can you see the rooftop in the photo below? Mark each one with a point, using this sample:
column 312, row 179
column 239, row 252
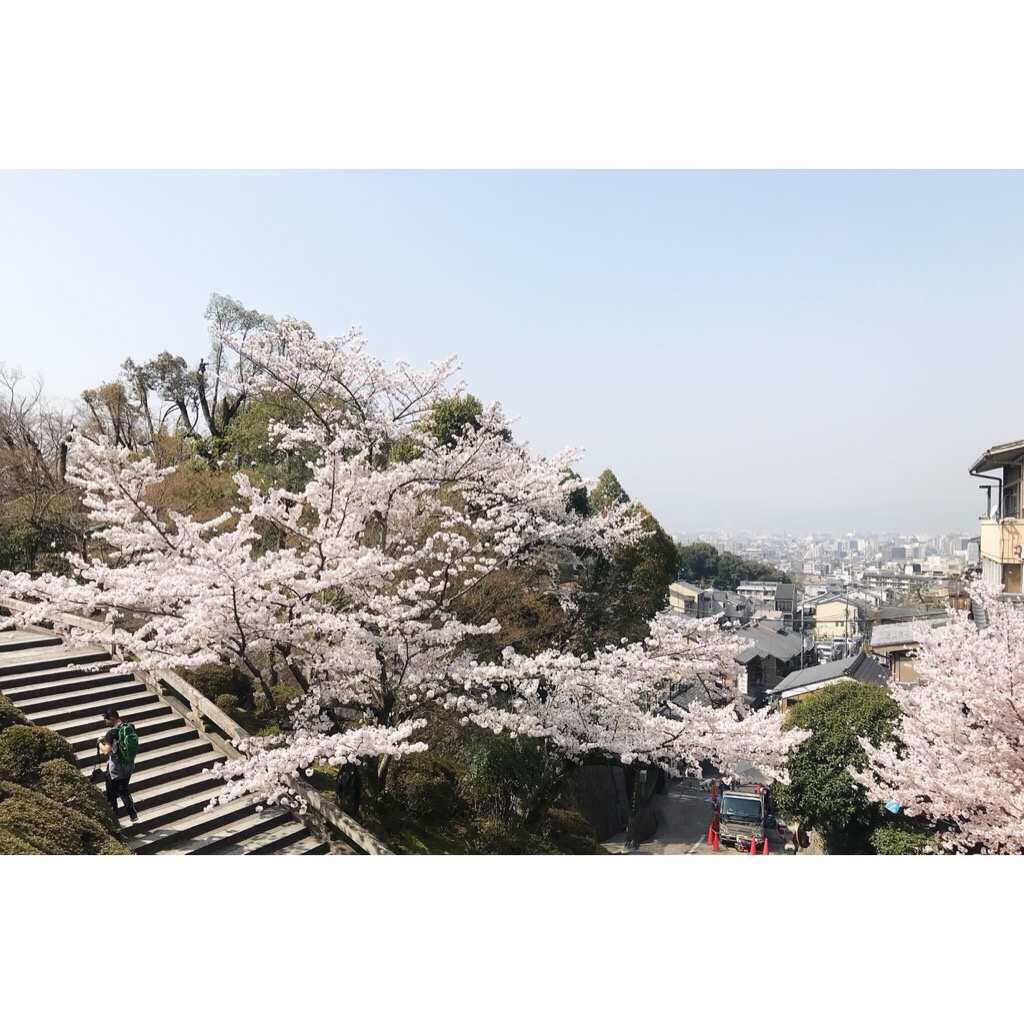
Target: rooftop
column 898, row 634
column 832, row 598
column 684, row 589
column 693, row 692
column 999, row 455
column 769, row 640
column 859, row 667
column 906, row 613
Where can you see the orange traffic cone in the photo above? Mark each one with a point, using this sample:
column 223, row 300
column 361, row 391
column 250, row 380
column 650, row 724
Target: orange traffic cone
column 713, row 827
column 753, row 845
column 714, row 840
column 764, row 848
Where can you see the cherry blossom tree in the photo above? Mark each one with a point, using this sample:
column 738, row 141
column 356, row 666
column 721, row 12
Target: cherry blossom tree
column 958, row 755
column 349, row 585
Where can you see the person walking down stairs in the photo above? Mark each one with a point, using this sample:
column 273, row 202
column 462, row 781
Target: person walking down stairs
column 72, row 690
column 120, row 743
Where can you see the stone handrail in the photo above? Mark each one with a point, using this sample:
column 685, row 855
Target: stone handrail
column 201, row 707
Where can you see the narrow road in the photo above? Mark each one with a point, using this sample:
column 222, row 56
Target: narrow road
column 684, row 814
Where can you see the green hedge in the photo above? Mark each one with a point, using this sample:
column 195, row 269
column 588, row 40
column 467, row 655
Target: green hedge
column 9, row 714
column 10, row 844
column 46, row 805
column 24, row 748
column 33, row 823
column 69, row 788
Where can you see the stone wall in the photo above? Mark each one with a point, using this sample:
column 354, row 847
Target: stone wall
column 602, row 797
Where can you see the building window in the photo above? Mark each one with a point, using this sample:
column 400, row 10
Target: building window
column 1011, row 502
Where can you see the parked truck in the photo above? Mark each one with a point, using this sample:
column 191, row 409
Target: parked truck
column 745, row 813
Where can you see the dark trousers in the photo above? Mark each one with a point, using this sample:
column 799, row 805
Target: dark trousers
column 119, row 788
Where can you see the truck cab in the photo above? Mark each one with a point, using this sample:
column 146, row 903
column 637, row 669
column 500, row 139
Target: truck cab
column 743, row 814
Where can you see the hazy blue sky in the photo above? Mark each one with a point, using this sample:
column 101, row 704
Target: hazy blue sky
column 746, row 350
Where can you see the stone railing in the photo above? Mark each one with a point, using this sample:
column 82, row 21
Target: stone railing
column 195, row 707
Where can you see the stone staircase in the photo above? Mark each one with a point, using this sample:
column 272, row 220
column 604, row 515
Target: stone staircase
column 67, row 688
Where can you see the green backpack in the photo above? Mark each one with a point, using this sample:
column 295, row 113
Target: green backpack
column 126, row 744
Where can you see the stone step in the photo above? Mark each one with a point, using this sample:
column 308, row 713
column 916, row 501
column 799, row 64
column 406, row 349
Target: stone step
column 166, row 791
column 92, row 725
column 69, row 684
column 18, row 661
column 273, row 839
column 177, row 731
column 164, row 815
column 22, row 640
column 229, row 838
column 93, row 707
column 167, row 719
column 203, row 822
column 62, row 672
column 108, row 693
column 162, row 755
column 185, row 767
column 306, row 847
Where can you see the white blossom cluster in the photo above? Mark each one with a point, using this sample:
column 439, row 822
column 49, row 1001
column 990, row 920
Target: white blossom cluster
column 958, row 758
column 358, row 604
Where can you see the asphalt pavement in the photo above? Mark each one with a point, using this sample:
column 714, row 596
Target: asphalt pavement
column 684, row 813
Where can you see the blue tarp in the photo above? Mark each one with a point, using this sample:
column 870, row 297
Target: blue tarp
column 892, row 807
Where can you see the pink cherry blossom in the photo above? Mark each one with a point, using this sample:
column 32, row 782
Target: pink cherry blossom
column 358, row 606
column 958, row 759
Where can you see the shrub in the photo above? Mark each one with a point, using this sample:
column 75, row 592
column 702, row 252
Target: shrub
column 33, row 820
column 267, row 717
column 501, row 775
column 570, row 832
column 285, row 693
column 66, row 786
column 11, row 844
column 425, row 786
column 493, row 836
column 23, row 748
column 9, row 714
column 215, row 680
column 228, row 703
column 561, row 831
column 901, row 838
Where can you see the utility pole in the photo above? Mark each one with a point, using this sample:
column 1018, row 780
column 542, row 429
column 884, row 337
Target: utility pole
column 803, row 636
